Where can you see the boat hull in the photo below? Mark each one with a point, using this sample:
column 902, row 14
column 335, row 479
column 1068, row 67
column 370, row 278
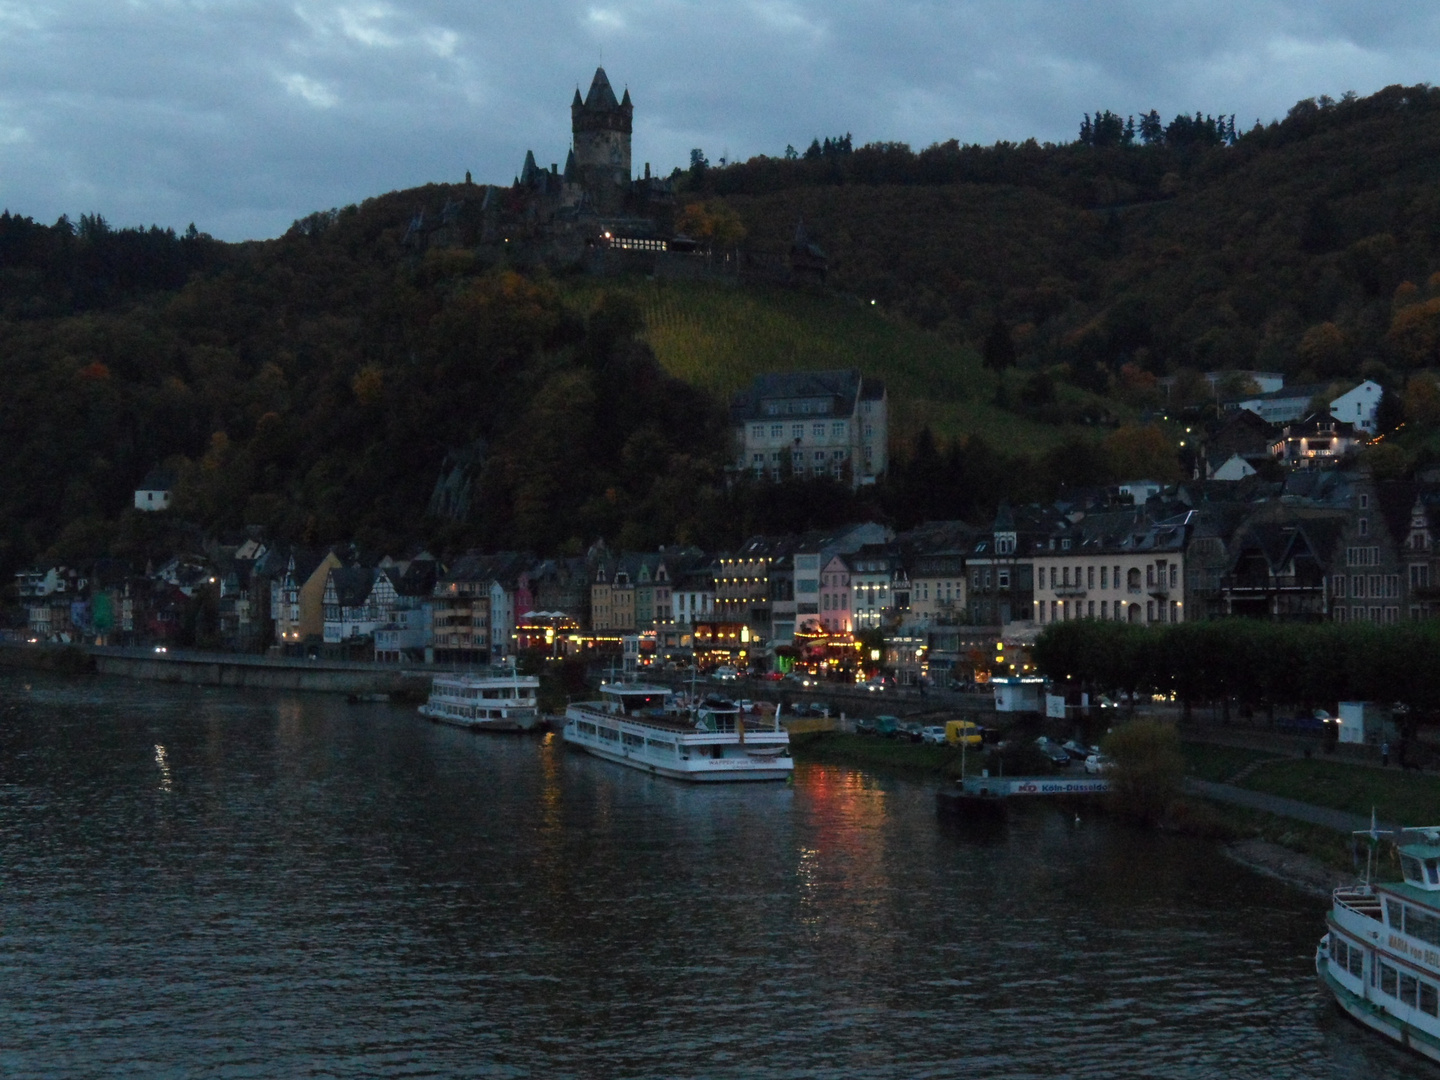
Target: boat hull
column 781, row 769
column 1370, row 1014
column 507, row 726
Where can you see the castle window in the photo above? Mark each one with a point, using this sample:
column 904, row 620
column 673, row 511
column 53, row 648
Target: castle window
column 757, row 431
column 837, row 430
column 777, row 431
column 817, row 430
column 797, row 432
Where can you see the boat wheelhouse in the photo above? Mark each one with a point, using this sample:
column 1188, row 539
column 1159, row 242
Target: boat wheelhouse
column 1380, row 960
column 642, row 726
column 502, row 701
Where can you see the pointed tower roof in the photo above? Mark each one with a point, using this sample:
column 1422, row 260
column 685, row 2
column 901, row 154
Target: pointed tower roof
column 570, row 175
column 527, row 173
column 577, row 103
column 625, row 101
column 601, row 96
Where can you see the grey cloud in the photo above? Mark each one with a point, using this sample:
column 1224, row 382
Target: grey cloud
column 244, row 114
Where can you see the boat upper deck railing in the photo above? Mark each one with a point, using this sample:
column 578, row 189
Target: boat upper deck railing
column 1360, row 899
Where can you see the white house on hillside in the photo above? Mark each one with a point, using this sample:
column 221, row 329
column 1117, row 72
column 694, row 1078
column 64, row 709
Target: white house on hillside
column 1358, row 406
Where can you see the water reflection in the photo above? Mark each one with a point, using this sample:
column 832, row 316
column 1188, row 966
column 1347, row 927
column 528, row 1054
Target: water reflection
column 351, row 891
column 164, row 763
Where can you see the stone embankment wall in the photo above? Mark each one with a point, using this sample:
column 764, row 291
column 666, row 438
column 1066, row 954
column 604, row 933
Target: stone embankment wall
column 219, row 669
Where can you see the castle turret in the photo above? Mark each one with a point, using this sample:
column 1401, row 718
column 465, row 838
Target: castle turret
column 601, row 126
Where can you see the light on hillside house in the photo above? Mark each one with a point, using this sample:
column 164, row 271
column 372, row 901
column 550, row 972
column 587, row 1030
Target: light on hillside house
column 874, row 654
column 745, row 635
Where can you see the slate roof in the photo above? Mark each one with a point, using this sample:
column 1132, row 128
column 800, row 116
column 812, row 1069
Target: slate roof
column 353, row 585
column 842, row 387
column 601, row 97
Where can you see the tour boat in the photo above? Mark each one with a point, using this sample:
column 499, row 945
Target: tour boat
column 494, row 702
column 643, row 727
column 1380, row 960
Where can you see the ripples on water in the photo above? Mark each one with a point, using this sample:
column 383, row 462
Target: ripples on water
column 200, row 882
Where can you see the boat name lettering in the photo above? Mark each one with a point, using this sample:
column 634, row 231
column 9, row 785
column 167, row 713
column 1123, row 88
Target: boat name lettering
column 1415, row 952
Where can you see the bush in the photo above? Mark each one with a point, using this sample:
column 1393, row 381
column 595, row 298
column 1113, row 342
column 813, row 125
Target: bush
column 1147, row 771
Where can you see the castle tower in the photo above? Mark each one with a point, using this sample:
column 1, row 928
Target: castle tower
column 601, row 127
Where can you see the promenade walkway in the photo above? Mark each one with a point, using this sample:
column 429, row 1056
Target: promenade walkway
column 1339, row 820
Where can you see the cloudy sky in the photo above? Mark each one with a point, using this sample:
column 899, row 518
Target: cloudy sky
column 242, row 115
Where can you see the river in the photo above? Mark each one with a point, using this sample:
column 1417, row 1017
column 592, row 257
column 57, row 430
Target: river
column 203, row 882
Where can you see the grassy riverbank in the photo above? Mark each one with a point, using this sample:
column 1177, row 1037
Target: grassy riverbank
column 1408, row 798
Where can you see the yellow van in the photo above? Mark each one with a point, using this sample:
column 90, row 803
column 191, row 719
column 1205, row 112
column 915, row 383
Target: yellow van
column 957, row 731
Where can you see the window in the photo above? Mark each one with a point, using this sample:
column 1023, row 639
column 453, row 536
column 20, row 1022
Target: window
column 817, row 430
column 1116, row 577
column 1409, row 988
column 1174, row 575
column 1389, row 980
column 777, row 431
column 1364, row 501
column 797, row 432
column 837, row 430
column 1104, row 577
column 869, row 430
column 1090, row 579
column 1357, row 587
column 1104, row 607
column 987, row 579
column 1428, row 1000
column 1337, row 586
column 1091, row 611
column 1392, row 586
column 757, row 431
column 1420, row 576
column 1002, row 579
column 1363, row 526
column 1149, row 610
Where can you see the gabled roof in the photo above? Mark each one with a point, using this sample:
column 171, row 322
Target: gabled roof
column 158, row 479
column 353, row 585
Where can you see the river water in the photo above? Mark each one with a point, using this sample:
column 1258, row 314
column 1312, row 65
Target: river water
column 215, row 883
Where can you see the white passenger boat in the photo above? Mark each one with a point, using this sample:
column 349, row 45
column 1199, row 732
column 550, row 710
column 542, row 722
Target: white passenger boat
column 1381, row 959
column 502, row 701
column 642, row 726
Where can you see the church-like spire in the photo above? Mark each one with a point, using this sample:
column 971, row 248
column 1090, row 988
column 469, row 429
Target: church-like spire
column 577, row 103
column 601, row 96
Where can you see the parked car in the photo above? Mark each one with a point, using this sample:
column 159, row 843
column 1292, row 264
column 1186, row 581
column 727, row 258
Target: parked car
column 864, row 727
column 1054, row 751
column 726, row 673
column 933, row 735
column 773, row 676
column 820, row 708
column 887, row 726
column 910, row 730
column 1097, row 763
column 1078, row 752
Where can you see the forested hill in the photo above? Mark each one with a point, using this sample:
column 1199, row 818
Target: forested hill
column 319, row 384
column 1280, row 248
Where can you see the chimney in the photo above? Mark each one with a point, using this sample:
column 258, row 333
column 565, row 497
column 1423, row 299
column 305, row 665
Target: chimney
column 554, row 169
column 647, row 170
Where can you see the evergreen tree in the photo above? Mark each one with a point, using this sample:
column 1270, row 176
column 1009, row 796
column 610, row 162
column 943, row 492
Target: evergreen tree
column 999, row 349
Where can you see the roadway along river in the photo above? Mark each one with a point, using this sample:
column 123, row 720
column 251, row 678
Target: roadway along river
column 218, row 883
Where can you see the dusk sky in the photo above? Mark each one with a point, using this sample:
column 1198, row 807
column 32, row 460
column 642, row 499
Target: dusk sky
column 242, row 115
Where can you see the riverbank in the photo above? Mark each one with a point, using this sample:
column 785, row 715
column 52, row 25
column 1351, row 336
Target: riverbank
column 222, row 669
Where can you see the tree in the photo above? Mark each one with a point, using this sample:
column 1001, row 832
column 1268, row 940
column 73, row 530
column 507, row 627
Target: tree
column 1147, row 771
column 1152, row 129
column 998, row 351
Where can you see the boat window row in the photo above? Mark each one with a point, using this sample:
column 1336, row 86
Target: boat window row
column 1347, row 957
column 660, row 745
column 585, row 729
column 1417, row 922
column 631, row 740
column 1411, row 990
column 609, row 734
column 1420, row 874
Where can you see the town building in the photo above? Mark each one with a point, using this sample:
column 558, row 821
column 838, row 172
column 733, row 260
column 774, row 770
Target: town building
column 1120, row 566
column 813, row 424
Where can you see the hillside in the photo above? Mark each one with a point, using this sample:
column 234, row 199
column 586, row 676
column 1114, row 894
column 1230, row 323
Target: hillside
column 322, row 383
column 720, row 338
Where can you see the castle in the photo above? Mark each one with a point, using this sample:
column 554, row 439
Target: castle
column 596, row 213
column 595, row 204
